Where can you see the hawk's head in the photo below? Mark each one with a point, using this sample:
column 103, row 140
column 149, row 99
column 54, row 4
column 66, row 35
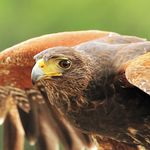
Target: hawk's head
column 63, row 72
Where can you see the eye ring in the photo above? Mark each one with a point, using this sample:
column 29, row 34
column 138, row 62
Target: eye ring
column 65, row 63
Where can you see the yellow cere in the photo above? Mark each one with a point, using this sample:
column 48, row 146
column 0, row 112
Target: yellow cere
column 50, row 68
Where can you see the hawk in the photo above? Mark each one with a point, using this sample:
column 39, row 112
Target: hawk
column 74, row 104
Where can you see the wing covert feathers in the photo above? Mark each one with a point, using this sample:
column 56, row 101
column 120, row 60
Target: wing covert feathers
column 138, row 72
column 22, row 54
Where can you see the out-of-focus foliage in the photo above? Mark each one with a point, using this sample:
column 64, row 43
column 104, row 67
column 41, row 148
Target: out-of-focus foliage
column 24, row 19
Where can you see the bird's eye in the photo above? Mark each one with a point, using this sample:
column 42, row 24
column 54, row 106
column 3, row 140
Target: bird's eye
column 65, row 64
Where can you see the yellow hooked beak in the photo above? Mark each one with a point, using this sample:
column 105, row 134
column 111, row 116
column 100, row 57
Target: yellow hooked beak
column 43, row 69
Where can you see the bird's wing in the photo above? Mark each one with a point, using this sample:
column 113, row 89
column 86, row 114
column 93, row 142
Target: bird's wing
column 138, row 72
column 13, row 130
column 132, row 59
column 18, row 99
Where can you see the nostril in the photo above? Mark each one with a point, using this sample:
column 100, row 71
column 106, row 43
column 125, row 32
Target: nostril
column 42, row 66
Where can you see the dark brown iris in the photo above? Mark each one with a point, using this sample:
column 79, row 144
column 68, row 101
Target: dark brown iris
column 65, row 64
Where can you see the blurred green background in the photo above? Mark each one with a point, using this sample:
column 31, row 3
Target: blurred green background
column 24, row 19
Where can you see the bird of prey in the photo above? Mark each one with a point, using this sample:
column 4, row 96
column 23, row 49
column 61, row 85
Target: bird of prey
column 74, row 104
column 102, row 86
column 22, row 106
